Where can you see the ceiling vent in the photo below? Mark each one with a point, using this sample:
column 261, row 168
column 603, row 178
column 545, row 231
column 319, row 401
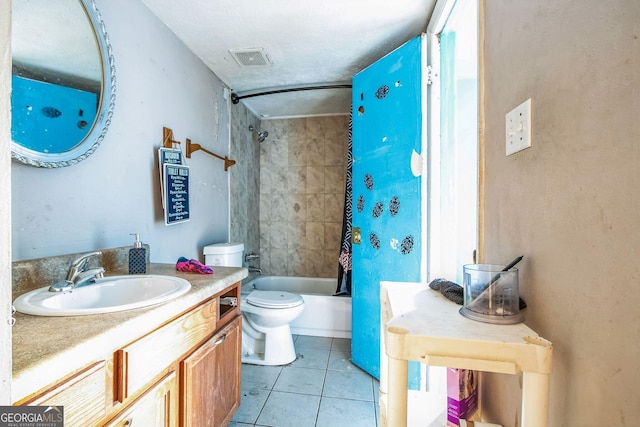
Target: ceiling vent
column 255, row 57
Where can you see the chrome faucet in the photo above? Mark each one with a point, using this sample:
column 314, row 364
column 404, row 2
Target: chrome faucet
column 250, row 257
column 78, row 274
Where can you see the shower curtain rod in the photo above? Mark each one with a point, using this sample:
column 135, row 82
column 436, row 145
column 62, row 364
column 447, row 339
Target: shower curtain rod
column 235, row 98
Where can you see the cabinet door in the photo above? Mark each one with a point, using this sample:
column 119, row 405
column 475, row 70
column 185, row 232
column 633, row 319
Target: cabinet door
column 158, row 407
column 211, row 379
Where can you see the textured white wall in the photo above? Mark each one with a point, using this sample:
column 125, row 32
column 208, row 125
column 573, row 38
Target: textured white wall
column 569, row 203
column 97, row 203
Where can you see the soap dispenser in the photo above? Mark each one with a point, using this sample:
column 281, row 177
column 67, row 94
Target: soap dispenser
column 137, row 257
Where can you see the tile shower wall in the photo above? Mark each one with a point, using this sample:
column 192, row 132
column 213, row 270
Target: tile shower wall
column 244, row 199
column 302, row 179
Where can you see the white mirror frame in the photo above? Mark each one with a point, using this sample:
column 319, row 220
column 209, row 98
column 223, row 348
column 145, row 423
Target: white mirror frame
column 107, row 101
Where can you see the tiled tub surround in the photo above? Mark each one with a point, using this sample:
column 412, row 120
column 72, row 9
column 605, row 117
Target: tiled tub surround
column 302, row 179
column 46, row 349
column 244, row 182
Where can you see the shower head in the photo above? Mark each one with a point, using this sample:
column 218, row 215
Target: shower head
column 262, row 135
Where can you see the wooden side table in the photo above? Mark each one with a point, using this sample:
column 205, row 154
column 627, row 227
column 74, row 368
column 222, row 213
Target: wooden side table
column 420, row 324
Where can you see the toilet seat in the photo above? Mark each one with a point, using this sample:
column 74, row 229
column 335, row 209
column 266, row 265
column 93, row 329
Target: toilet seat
column 274, row 299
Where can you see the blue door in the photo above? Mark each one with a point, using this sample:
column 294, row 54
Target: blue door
column 388, row 182
column 48, row 117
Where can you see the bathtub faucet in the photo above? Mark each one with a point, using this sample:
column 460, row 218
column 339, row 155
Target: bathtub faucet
column 251, row 256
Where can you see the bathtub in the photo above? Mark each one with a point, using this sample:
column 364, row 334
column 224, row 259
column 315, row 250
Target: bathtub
column 323, row 316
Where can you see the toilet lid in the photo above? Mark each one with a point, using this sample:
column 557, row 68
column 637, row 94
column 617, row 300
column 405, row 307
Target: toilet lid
column 274, row 299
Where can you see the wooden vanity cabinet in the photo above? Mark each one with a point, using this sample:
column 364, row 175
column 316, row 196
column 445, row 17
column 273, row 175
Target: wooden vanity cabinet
column 184, row 373
column 198, row 358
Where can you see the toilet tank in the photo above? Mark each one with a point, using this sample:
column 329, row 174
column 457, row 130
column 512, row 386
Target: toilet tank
column 224, row 254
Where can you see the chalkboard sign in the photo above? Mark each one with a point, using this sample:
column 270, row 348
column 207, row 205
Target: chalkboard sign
column 176, row 188
column 170, row 155
column 167, row 155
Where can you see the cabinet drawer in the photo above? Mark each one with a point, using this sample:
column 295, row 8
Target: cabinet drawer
column 228, row 312
column 142, row 361
column 156, row 407
column 84, row 396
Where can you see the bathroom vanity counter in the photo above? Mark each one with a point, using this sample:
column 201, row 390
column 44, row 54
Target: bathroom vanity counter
column 46, row 349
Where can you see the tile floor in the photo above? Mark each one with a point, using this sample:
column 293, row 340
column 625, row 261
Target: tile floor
column 321, row 388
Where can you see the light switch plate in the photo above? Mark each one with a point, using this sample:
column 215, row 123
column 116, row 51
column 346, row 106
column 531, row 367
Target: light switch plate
column 518, row 128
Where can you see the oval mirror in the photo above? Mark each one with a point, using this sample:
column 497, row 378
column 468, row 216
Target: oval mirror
column 63, row 82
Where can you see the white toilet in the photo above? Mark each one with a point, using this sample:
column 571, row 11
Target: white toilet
column 266, row 315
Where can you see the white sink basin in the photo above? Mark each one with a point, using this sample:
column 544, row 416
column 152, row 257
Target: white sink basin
column 106, row 295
